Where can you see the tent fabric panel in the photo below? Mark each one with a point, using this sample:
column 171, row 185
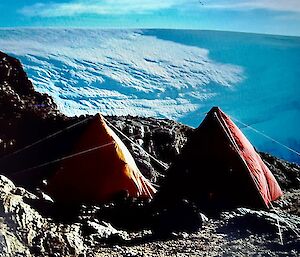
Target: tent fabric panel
column 262, row 176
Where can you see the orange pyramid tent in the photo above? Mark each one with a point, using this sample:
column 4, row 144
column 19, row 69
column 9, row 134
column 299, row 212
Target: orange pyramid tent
column 103, row 169
column 219, row 168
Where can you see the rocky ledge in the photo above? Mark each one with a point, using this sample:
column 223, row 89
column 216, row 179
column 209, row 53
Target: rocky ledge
column 31, row 224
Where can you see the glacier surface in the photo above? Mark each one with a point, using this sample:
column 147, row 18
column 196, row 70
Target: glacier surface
column 172, row 74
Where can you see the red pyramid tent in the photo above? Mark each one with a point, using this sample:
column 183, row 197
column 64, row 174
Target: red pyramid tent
column 218, row 167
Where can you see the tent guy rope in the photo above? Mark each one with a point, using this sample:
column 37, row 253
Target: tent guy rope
column 165, row 166
column 72, row 126
column 44, row 139
column 63, row 158
column 266, row 136
column 71, row 155
column 283, row 219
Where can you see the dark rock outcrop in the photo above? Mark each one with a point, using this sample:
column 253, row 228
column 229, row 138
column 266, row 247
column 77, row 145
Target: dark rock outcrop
column 25, row 115
column 287, row 174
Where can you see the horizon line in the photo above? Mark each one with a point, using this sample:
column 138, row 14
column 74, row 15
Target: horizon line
column 143, row 28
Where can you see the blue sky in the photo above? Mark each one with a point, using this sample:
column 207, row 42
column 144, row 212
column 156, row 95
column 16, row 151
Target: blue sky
column 259, row 16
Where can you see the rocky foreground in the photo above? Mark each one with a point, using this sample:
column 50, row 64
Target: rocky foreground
column 31, row 224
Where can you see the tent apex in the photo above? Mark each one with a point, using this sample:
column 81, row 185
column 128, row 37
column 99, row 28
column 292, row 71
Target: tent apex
column 98, row 115
column 215, row 109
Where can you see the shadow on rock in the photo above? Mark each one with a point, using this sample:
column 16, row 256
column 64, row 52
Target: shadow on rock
column 244, row 226
column 180, row 217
